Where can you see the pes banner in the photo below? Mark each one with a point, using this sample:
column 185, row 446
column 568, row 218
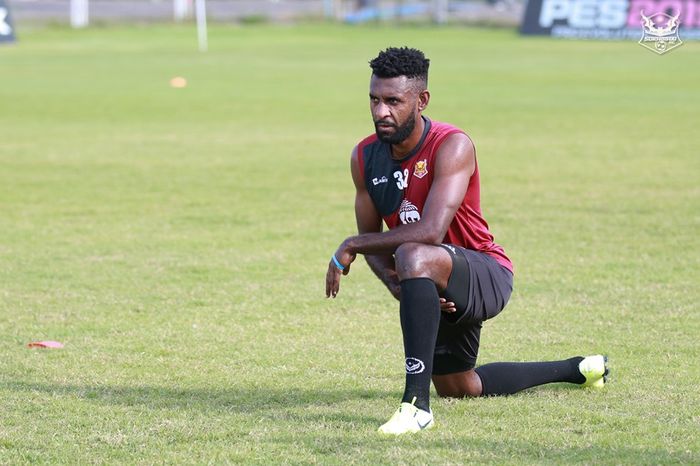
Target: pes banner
column 613, row 19
column 7, row 31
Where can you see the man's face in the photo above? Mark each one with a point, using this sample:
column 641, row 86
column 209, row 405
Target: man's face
column 394, row 103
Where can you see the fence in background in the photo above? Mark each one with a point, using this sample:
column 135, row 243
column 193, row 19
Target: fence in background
column 82, row 12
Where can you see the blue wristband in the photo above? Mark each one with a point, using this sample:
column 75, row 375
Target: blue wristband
column 340, row 266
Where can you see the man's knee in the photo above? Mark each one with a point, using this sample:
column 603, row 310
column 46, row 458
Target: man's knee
column 458, row 385
column 414, row 260
column 410, row 263
column 456, row 393
column 417, row 260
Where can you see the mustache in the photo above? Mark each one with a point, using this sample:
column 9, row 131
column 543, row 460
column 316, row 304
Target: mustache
column 384, row 122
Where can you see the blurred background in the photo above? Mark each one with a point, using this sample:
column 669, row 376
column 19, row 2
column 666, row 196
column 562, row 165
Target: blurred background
column 588, row 19
column 500, row 11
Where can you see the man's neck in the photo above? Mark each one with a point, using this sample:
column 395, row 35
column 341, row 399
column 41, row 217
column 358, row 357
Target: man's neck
column 399, row 151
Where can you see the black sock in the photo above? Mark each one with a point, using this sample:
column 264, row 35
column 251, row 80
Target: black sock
column 506, row 378
column 420, row 318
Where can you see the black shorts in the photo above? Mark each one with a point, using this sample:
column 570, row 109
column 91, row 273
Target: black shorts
column 480, row 288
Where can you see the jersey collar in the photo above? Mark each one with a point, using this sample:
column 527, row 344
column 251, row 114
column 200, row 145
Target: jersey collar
column 415, row 150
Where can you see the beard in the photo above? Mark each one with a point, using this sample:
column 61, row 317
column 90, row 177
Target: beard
column 400, row 135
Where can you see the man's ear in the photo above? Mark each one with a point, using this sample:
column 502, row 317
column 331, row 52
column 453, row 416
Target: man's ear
column 423, row 100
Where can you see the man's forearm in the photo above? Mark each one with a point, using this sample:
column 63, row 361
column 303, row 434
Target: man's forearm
column 386, row 243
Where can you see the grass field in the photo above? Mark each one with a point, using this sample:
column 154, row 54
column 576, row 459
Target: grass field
column 176, row 240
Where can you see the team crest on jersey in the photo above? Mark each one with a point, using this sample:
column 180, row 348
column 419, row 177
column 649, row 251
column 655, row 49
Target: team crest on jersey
column 421, row 168
column 408, row 213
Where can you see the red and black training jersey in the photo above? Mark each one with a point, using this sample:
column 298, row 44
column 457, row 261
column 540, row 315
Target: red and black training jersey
column 399, row 189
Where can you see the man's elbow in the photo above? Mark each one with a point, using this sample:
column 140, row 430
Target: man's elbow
column 434, row 236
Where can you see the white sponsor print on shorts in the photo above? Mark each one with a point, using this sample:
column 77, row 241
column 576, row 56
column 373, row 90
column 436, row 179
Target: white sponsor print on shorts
column 451, row 248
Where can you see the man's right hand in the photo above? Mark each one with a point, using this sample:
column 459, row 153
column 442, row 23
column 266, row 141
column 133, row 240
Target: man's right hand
column 447, row 306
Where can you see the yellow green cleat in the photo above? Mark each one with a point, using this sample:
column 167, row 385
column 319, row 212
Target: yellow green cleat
column 595, row 370
column 408, row 419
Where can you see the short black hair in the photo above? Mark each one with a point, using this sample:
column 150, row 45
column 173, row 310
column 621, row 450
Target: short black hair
column 404, row 61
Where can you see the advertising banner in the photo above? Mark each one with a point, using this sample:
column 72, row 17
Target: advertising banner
column 658, row 24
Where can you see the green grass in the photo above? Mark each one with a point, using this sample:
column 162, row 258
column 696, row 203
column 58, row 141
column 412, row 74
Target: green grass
column 176, row 241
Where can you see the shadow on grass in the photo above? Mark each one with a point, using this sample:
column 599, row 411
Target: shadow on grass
column 254, row 398
column 258, row 400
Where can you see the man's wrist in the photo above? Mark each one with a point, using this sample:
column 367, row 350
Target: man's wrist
column 348, row 246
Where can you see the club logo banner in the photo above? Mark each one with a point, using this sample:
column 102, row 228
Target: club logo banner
column 7, row 31
column 613, row 19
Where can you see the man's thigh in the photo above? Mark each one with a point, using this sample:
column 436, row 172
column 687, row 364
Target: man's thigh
column 480, row 289
column 456, row 348
column 478, row 285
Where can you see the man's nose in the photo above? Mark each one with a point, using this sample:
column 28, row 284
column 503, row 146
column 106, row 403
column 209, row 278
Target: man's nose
column 381, row 111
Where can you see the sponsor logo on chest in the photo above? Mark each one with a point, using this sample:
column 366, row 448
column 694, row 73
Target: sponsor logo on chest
column 408, row 212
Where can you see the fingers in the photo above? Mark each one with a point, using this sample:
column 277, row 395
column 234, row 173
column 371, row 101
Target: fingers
column 332, row 281
column 339, row 264
column 447, row 306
